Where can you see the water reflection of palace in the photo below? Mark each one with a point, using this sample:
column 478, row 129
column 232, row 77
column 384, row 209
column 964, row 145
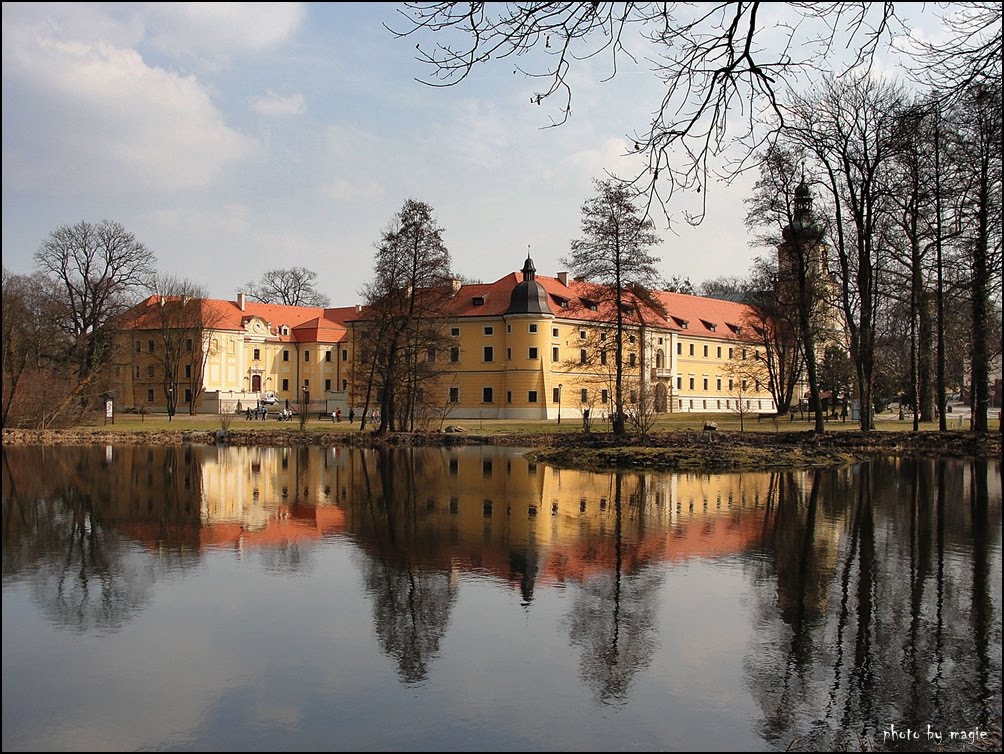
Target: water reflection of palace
column 487, row 509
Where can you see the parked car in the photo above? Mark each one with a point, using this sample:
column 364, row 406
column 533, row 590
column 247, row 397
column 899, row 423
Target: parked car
column 269, row 398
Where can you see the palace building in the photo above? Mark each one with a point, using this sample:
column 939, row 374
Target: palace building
column 526, row 346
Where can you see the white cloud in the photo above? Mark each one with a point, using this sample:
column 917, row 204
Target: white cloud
column 345, row 190
column 271, row 103
column 215, row 29
column 94, row 114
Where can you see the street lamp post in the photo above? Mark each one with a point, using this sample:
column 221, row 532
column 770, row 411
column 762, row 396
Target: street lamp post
column 559, row 403
column 170, row 404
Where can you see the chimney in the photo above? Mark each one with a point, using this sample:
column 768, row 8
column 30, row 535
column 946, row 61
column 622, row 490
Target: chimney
column 163, row 300
column 455, row 286
column 359, row 308
column 563, row 278
column 240, row 301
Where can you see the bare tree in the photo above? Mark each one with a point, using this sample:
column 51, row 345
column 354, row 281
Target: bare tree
column 980, row 137
column 34, row 349
column 781, row 206
column 745, row 372
column 295, row 286
column 613, row 256
column 181, row 316
column 775, row 323
column 98, row 271
column 406, row 309
column 709, row 57
column 849, row 128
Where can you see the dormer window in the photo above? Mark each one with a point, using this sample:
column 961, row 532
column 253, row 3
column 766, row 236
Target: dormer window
column 709, row 325
column 478, row 301
column 283, row 330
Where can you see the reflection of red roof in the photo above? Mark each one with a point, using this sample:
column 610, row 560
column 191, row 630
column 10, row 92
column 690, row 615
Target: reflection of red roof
column 295, row 523
column 713, row 536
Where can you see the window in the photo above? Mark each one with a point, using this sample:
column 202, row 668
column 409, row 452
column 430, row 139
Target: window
column 149, row 395
column 487, row 395
column 135, row 371
column 454, row 467
column 719, row 352
column 139, row 346
column 531, row 397
column 454, row 395
column 555, row 395
column 582, row 334
column 508, row 328
column 603, row 336
column 345, row 354
column 744, row 354
column 731, row 384
column 285, row 384
column 149, row 371
column 705, row 352
column 486, row 472
column 632, row 359
column 508, row 354
column 718, row 383
column 679, row 349
column 306, row 383
column 691, row 349
column 554, row 332
column 188, row 395
column 731, row 355
column 489, row 330
column 149, row 346
column 345, row 385
column 533, row 329
column 455, row 332
column 555, row 354
column 603, row 358
column 285, row 355
column 679, row 383
column 532, row 354
column 256, row 354
column 188, row 344
column 583, row 356
column 584, row 395
column 705, row 383
column 478, row 300
column 430, row 355
column 306, row 355
column 691, row 383
column 489, row 354
column 188, row 371
column 327, row 356
column 454, row 354
column 604, row 396
column 631, row 339
column 508, row 396
column 327, row 385
column 633, row 397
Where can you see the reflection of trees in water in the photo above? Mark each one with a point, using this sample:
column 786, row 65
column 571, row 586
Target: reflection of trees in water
column 411, row 602
column 897, row 625
column 61, row 511
column 612, row 620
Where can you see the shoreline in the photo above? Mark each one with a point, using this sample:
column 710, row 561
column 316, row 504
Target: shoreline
column 669, row 451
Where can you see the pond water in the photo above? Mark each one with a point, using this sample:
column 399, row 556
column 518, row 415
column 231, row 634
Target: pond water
column 468, row 599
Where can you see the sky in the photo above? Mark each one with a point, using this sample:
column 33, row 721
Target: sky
column 237, row 138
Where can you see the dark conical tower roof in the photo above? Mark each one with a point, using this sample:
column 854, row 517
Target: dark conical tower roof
column 529, row 296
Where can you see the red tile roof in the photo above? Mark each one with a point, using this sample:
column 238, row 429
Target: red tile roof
column 307, row 324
